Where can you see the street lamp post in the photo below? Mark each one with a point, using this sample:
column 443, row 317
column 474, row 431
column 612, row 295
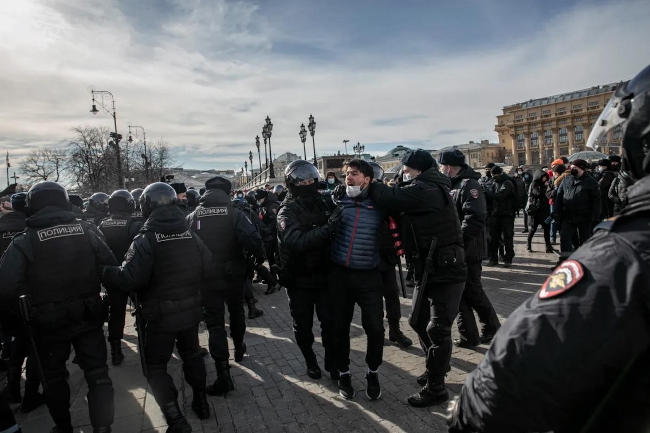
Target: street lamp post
column 245, row 169
column 116, row 137
column 358, row 149
column 145, row 155
column 259, row 156
column 312, row 131
column 345, row 143
column 269, row 130
column 303, row 138
column 265, row 135
column 250, row 158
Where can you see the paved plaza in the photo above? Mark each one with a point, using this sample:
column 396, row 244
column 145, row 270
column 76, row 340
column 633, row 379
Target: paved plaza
column 273, row 392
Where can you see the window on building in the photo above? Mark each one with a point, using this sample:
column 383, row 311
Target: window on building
column 561, row 111
column 577, row 106
column 578, row 119
column 593, row 117
column 561, row 122
column 520, row 140
column 532, row 115
column 546, row 112
column 548, row 123
column 548, row 137
column 578, row 133
column 503, row 141
column 534, row 139
column 593, row 104
column 519, row 117
column 519, row 128
column 563, row 135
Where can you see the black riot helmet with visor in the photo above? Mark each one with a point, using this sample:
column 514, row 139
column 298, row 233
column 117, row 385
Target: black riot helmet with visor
column 99, row 202
column 301, row 178
column 377, row 171
column 121, row 201
column 157, row 195
column 629, row 110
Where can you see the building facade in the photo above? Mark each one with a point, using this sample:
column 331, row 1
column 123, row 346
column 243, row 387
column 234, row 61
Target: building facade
column 476, row 154
column 541, row 130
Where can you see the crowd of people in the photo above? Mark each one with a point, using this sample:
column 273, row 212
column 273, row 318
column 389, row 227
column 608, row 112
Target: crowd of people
column 181, row 256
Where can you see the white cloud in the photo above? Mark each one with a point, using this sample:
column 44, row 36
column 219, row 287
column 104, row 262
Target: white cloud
column 207, row 78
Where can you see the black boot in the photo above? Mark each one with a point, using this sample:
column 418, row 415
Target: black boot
column 549, row 248
column 431, row 394
column 240, row 352
column 253, row 311
column 103, row 429
column 272, row 289
column 200, row 404
column 397, row 336
column 176, row 422
column 313, row 370
column 422, row 379
column 116, row 352
column 224, row 383
column 529, row 248
column 33, row 398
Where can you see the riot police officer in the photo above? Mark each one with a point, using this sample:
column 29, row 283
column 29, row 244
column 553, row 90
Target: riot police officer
column 97, row 208
column 67, row 309
column 280, row 192
column 137, row 213
column 119, row 229
column 13, row 220
column 167, row 264
column 193, row 197
column 181, row 195
column 428, row 213
column 268, row 208
column 229, row 234
column 304, row 237
column 574, row 357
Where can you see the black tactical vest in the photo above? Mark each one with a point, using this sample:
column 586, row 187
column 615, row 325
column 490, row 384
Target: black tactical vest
column 215, row 226
column 176, row 278
column 64, row 266
column 116, row 231
column 420, row 228
column 138, row 216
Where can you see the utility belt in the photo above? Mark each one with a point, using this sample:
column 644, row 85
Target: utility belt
column 231, row 270
column 443, row 257
column 55, row 316
column 158, row 309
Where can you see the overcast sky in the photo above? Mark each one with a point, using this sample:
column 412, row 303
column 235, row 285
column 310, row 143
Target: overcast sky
column 204, row 74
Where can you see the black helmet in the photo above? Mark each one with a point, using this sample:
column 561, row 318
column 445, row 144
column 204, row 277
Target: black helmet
column 136, row 193
column 377, row 171
column 76, row 200
column 99, row 201
column 46, row 193
column 629, row 110
column 121, row 201
column 278, row 189
column 156, row 195
column 300, row 171
column 18, row 201
column 261, row 194
column 193, row 197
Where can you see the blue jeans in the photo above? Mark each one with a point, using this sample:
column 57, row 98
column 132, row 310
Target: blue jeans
column 553, row 228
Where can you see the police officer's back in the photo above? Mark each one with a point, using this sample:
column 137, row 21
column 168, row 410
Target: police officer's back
column 57, row 260
column 97, row 208
column 167, row 264
column 574, row 357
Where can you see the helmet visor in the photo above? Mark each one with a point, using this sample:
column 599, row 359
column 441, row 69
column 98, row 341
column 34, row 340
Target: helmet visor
column 608, row 120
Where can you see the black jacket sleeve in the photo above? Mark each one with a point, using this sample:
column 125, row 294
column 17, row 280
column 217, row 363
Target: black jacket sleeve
column 612, row 193
column 103, row 253
column 135, row 274
column 208, row 269
column 295, row 238
column 594, row 195
column 247, row 234
column 474, row 208
column 558, row 203
column 504, row 192
column 13, row 267
column 412, row 197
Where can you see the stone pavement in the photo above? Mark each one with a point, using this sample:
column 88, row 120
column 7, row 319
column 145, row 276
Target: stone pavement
column 274, row 392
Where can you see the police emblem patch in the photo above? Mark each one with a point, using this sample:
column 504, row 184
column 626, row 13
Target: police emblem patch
column 562, row 279
column 283, row 224
column 473, row 193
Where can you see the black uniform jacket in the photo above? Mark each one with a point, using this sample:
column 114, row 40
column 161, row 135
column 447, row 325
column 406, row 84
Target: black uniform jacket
column 584, row 335
column 11, row 224
column 471, row 206
column 578, row 199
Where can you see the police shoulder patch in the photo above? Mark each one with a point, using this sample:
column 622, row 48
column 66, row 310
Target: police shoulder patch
column 562, row 279
column 473, row 193
column 283, row 224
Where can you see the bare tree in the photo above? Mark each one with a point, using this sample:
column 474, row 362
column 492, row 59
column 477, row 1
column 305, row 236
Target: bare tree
column 44, row 164
column 91, row 161
column 161, row 158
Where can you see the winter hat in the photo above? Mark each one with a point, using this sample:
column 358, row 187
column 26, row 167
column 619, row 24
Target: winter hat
column 496, row 170
column 615, row 158
column 557, row 162
column 179, row 187
column 331, row 173
column 418, row 159
column 605, row 162
column 580, row 163
column 489, row 165
column 218, row 182
column 454, row 158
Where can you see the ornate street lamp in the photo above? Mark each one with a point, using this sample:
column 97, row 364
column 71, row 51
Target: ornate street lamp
column 245, row 169
column 303, row 137
column 259, row 156
column 250, row 158
column 269, row 130
column 145, row 155
column 114, row 135
column 312, row 131
column 265, row 135
column 358, row 149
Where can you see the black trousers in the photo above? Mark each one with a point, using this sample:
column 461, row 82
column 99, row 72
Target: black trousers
column 434, row 326
column 19, row 351
column 7, row 419
column 363, row 287
column 569, row 230
column 475, row 299
column 534, row 223
column 525, row 220
column 117, row 314
column 214, row 304
column 158, row 349
column 502, row 226
column 90, row 350
column 248, row 290
column 302, row 303
column 391, row 298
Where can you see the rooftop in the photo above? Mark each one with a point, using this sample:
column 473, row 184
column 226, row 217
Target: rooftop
column 596, row 90
column 467, row 146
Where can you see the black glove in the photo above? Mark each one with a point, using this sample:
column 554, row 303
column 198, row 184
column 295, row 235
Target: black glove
column 339, row 191
column 259, row 260
column 335, row 218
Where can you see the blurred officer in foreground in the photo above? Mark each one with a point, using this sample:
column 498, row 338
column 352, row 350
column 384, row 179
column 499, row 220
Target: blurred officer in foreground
column 119, row 229
column 229, row 234
column 574, row 357
column 67, row 309
column 168, row 265
column 304, row 237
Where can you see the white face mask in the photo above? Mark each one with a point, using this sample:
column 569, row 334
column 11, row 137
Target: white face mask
column 353, row 191
column 406, row 177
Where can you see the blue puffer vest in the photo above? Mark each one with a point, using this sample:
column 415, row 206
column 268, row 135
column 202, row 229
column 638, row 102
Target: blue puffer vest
column 356, row 243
